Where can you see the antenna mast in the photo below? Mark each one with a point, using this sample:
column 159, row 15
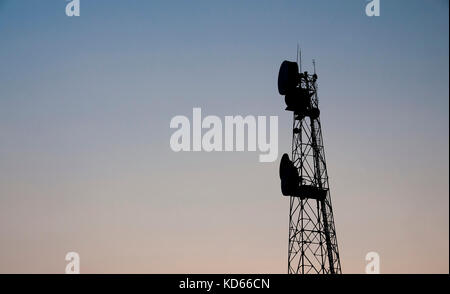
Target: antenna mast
column 312, row 242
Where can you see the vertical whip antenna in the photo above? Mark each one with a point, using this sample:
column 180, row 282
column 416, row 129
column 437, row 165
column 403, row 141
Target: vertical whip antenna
column 300, row 59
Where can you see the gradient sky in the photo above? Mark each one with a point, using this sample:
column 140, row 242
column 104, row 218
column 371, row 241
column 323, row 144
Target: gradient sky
column 85, row 106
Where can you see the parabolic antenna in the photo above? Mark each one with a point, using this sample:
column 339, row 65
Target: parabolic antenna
column 289, row 176
column 287, row 77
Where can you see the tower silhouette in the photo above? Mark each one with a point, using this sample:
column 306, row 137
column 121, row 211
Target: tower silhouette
column 313, row 244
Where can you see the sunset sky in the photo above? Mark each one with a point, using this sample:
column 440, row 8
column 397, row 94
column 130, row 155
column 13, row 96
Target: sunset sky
column 85, row 107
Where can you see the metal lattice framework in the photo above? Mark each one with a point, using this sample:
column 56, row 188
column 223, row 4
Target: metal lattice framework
column 313, row 244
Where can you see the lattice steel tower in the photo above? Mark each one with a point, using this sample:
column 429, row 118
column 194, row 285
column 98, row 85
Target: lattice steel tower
column 313, row 244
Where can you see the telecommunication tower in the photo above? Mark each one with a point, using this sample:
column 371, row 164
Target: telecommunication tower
column 313, row 247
